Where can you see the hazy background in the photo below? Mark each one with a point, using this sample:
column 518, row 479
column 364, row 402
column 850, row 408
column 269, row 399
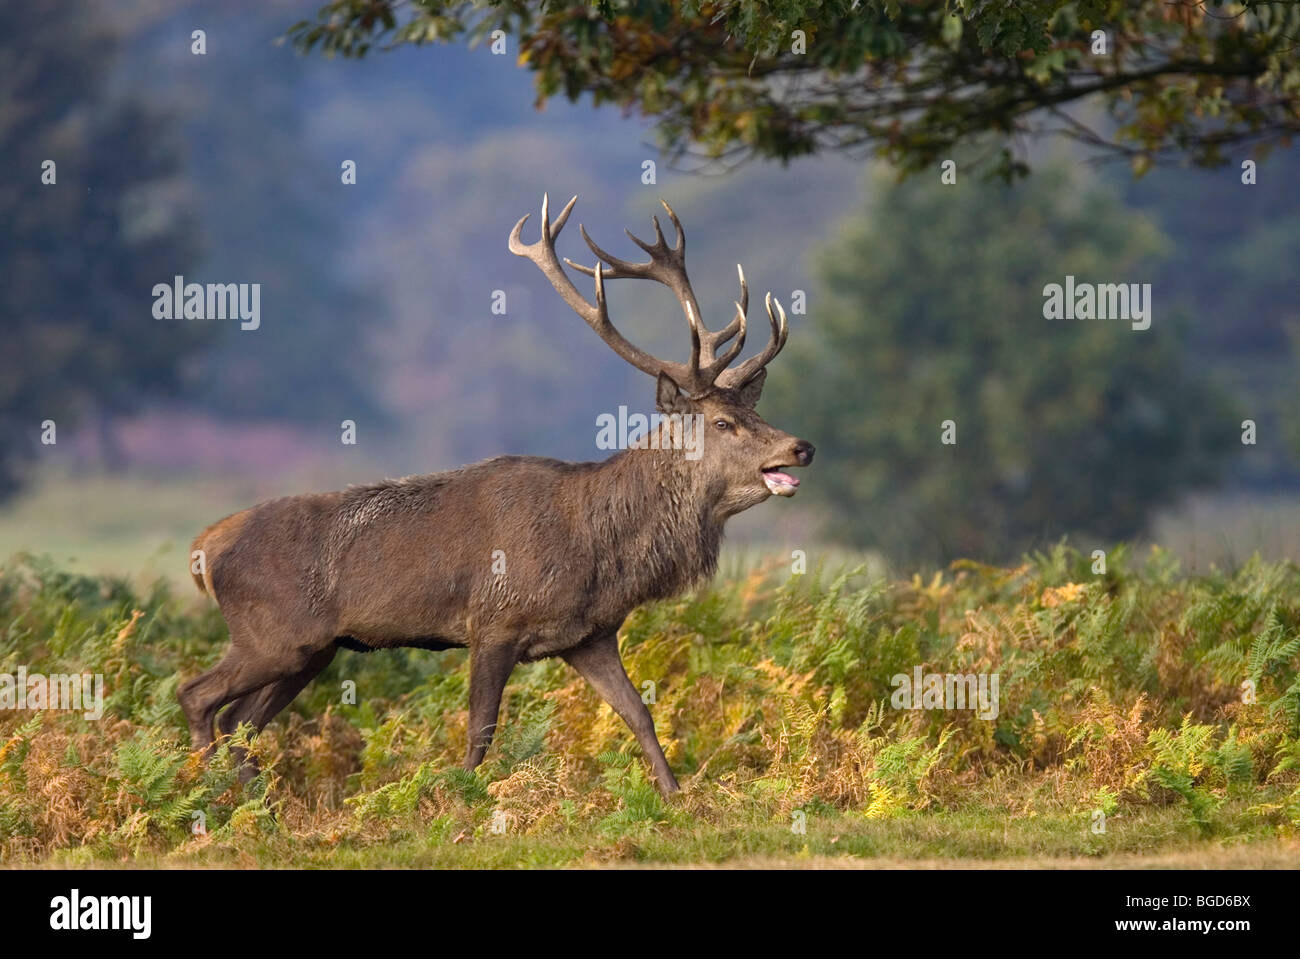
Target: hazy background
column 376, row 298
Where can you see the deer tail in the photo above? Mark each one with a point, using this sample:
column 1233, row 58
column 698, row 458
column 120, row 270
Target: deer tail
column 208, row 547
column 199, row 563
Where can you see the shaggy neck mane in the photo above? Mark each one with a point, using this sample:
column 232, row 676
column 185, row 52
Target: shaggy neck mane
column 659, row 527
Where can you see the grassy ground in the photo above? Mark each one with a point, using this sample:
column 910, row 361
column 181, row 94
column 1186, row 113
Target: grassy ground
column 1121, row 736
column 982, row 839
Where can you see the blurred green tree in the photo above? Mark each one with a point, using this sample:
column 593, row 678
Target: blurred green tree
column 934, row 311
column 82, row 253
column 1232, row 271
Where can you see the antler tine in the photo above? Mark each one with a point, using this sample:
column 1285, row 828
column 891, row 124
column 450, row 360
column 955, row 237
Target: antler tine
column 658, row 248
column 519, row 248
column 742, row 374
column 563, row 218
column 736, row 328
column 742, row 310
column 619, row 269
column 542, row 254
column 679, row 247
column 720, row 363
column 694, row 322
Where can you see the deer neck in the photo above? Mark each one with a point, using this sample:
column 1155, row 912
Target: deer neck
column 658, row 519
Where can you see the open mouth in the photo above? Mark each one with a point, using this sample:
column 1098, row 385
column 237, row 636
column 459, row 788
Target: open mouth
column 782, row 484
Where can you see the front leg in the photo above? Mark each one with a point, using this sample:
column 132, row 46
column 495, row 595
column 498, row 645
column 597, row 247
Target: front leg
column 599, row 664
column 490, row 665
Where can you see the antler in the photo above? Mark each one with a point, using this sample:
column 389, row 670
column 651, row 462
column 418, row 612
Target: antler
column 542, row 253
column 667, row 265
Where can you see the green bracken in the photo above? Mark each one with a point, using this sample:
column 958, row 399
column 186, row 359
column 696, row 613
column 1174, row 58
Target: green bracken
column 1142, row 713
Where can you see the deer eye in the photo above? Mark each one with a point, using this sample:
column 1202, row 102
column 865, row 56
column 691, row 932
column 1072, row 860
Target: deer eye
column 722, row 424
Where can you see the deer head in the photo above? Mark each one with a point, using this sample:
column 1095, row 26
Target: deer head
column 741, row 452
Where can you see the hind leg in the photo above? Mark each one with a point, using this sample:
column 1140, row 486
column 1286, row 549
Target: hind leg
column 205, row 694
column 260, row 707
column 266, row 646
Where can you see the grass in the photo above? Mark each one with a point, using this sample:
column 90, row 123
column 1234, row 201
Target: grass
column 1120, row 703
column 979, row 838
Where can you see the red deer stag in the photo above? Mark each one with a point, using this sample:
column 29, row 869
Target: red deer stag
column 517, row 558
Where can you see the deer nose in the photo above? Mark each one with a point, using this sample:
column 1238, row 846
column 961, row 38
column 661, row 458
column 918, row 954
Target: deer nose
column 803, row 452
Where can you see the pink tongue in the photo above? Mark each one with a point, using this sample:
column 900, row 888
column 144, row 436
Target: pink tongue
column 784, row 478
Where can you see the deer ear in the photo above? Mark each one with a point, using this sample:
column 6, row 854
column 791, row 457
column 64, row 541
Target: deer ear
column 750, row 392
column 668, row 396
